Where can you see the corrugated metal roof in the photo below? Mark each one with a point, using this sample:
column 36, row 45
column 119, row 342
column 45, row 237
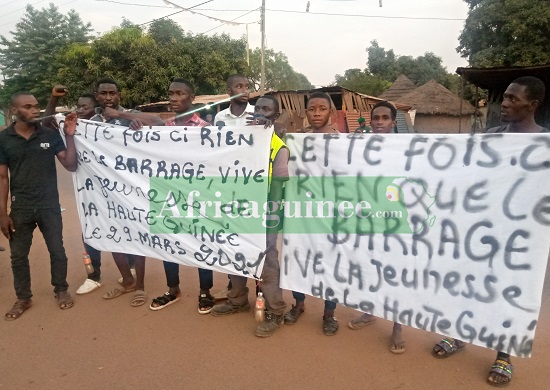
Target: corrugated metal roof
column 501, row 77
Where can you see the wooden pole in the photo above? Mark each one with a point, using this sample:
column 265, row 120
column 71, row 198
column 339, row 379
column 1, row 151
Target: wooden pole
column 262, row 64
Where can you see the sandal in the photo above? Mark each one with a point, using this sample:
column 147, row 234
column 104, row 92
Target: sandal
column 206, row 303
column 330, row 326
column 64, row 300
column 447, row 347
column 117, row 292
column 164, row 300
column 361, row 322
column 18, row 308
column 292, row 315
column 397, row 348
column 140, row 297
column 502, row 369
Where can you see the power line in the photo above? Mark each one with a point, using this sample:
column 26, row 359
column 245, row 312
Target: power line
column 238, row 17
column 165, row 6
column 206, row 16
column 183, row 10
column 139, row 5
column 8, row 3
column 302, row 12
column 19, row 9
column 365, row 16
column 15, row 21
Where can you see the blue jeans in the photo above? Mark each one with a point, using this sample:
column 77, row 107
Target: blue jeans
column 51, row 225
column 300, row 297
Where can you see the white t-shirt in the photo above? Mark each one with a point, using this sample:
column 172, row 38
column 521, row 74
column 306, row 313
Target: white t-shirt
column 229, row 119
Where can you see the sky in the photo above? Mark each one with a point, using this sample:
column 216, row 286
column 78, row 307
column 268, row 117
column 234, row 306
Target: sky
column 319, row 44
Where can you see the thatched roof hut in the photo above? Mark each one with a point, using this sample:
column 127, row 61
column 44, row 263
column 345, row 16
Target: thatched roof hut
column 438, row 110
column 433, row 98
column 400, row 87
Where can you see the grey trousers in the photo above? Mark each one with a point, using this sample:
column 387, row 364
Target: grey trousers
column 273, row 294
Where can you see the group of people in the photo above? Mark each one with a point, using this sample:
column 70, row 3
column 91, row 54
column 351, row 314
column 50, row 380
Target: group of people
column 28, row 148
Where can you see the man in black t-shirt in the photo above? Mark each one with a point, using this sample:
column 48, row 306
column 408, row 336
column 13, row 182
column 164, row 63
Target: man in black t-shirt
column 27, row 152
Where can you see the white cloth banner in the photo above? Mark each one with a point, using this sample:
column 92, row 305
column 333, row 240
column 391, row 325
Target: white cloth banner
column 447, row 233
column 174, row 193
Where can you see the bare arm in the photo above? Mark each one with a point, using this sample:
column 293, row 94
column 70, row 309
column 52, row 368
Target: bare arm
column 6, row 224
column 68, row 157
column 275, row 195
column 144, row 118
column 57, row 92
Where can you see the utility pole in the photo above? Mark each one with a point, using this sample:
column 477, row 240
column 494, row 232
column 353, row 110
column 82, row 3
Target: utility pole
column 262, row 61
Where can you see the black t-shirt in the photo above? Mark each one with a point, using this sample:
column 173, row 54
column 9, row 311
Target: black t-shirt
column 31, row 164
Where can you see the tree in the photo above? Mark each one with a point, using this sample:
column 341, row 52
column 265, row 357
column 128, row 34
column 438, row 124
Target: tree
column 362, row 82
column 29, row 58
column 506, row 33
column 166, row 31
column 279, row 75
column 381, row 62
column 144, row 62
column 386, row 65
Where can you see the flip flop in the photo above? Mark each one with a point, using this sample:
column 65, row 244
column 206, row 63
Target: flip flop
column 503, row 369
column 19, row 307
column 117, row 292
column 140, row 297
column 397, row 349
column 164, row 300
column 64, row 300
column 361, row 322
column 446, row 348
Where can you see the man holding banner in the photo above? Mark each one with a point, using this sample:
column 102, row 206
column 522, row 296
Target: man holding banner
column 28, row 151
column 181, row 98
column 318, row 115
column 266, row 112
column 85, row 109
column 235, row 115
column 520, row 102
column 110, row 111
column 383, row 120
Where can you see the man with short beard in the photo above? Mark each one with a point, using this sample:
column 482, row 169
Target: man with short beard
column 28, row 175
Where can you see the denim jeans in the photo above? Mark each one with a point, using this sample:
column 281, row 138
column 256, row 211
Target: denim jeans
column 300, row 297
column 172, row 271
column 51, row 225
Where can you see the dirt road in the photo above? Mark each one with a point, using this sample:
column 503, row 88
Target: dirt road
column 102, row 344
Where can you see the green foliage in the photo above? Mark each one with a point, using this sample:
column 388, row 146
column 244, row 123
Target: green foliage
column 506, row 33
column 279, row 74
column 386, row 65
column 381, row 62
column 362, row 82
column 49, row 48
column 28, row 60
column 166, row 31
column 145, row 62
